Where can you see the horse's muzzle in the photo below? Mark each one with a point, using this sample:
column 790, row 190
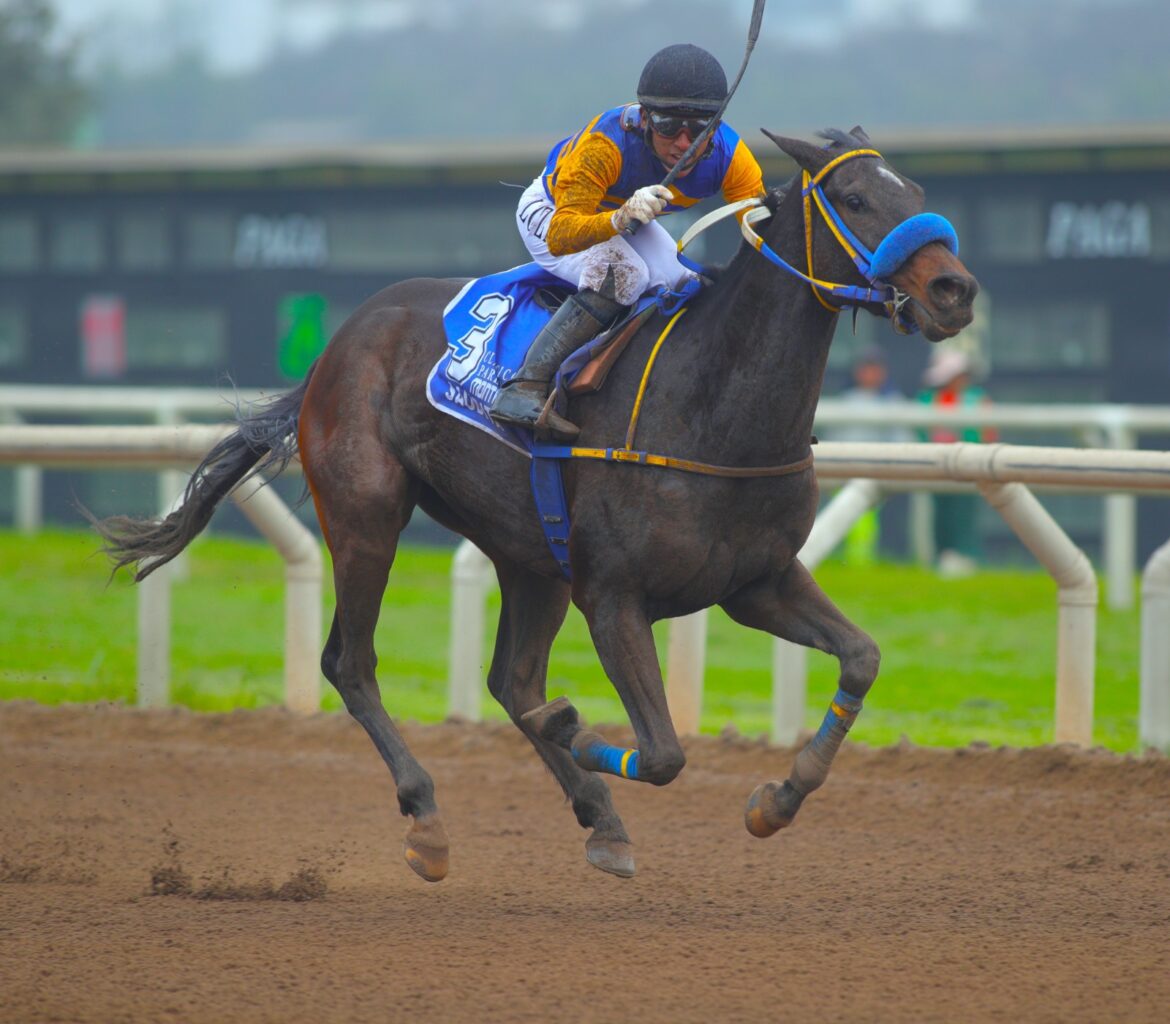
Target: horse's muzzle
column 942, row 289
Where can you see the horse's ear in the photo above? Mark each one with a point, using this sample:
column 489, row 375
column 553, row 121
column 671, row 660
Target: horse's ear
column 807, row 154
column 859, row 134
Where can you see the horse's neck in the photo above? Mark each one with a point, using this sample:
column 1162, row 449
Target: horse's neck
column 770, row 348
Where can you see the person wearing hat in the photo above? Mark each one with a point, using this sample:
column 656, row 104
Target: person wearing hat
column 589, row 217
column 948, row 384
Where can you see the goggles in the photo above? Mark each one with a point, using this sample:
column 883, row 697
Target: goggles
column 671, row 125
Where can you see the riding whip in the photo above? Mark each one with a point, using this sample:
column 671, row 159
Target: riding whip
column 701, row 140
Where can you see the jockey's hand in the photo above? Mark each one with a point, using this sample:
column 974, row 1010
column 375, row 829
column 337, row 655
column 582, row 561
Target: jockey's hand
column 644, row 205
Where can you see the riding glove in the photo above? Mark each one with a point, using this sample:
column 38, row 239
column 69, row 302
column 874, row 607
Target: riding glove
column 644, row 205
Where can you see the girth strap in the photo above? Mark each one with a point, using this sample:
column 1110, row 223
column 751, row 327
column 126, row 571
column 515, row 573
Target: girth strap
column 638, row 458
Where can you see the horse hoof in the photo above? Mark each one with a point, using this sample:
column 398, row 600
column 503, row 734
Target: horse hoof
column 557, row 721
column 611, row 855
column 425, row 848
column 770, row 808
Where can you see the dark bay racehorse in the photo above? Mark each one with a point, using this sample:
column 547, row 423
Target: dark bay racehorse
column 735, row 385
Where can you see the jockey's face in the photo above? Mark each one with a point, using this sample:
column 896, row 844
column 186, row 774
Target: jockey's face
column 670, row 149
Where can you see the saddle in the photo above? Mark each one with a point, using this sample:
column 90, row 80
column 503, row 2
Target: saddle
column 604, row 350
column 610, row 346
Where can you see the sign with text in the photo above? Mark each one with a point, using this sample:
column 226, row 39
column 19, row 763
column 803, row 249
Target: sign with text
column 289, row 240
column 1109, row 230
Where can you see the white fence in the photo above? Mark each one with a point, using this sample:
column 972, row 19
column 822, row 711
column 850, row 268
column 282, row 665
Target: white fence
column 1104, row 426
column 998, row 471
column 161, row 448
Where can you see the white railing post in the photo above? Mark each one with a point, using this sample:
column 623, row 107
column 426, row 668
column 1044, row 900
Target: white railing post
column 922, row 528
column 302, row 603
column 789, row 660
column 1077, row 597
column 1119, row 549
column 1119, row 532
column 30, row 488
column 1154, row 713
column 472, row 576
column 686, row 656
column 154, row 640
column 28, row 484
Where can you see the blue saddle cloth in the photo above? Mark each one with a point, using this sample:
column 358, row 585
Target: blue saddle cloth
column 490, row 325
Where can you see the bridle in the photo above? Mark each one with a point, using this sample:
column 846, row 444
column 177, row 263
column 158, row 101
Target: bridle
column 899, row 245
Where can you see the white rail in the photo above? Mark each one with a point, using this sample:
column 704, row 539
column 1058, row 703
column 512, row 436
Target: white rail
column 999, row 471
column 82, row 447
column 1104, row 425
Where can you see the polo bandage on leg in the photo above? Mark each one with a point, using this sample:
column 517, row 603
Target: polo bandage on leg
column 814, row 761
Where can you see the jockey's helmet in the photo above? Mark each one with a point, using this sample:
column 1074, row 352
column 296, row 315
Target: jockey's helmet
column 682, row 78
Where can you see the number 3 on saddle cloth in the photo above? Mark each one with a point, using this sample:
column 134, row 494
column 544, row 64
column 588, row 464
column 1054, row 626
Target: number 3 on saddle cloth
column 490, row 325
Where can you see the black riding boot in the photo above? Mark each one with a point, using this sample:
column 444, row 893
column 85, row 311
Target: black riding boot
column 519, row 402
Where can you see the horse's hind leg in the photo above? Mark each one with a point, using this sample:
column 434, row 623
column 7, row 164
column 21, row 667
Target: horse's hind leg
column 362, row 514
column 793, row 607
column 532, row 610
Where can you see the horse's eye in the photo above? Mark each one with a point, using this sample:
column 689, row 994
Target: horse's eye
column 854, row 201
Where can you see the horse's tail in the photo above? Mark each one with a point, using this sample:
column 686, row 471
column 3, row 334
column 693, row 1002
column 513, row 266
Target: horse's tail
column 265, row 440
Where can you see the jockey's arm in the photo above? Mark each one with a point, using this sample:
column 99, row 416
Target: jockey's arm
column 582, row 183
column 743, row 179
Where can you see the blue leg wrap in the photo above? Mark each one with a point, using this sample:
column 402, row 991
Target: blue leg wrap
column 812, row 763
column 843, row 709
column 599, row 756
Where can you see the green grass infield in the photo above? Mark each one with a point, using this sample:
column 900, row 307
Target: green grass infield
column 967, row 660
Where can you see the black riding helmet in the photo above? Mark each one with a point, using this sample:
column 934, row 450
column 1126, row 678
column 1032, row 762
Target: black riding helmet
column 682, row 78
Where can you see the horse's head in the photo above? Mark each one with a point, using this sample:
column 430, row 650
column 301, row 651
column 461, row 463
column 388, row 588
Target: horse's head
column 869, row 224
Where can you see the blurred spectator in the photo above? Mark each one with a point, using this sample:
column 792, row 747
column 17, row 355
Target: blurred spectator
column 871, row 384
column 948, row 384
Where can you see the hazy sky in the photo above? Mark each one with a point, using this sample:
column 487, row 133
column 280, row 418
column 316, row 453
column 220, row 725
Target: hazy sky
column 236, row 35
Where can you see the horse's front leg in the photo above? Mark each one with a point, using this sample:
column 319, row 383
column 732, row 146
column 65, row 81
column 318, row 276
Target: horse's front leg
column 625, row 644
column 792, row 606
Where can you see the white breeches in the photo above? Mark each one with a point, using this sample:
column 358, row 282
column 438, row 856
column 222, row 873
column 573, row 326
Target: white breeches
column 642, row 262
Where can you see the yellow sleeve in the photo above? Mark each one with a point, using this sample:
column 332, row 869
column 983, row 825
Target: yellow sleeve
column 584, row 176
column 744, row 179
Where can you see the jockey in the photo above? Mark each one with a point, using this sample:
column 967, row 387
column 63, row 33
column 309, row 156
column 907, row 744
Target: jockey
column 575, row 218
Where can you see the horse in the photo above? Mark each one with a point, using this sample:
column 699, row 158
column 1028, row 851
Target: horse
column 734, row 389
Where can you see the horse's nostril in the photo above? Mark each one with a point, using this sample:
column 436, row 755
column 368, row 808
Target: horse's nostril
column 949, row 290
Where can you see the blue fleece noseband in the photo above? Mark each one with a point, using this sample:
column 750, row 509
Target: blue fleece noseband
column 907, row 238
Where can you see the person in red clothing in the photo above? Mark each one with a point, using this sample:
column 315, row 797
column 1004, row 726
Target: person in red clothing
column 590, row 216
column 949, row 384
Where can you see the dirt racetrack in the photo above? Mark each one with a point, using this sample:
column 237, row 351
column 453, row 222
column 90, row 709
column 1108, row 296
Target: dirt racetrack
column 918, row 885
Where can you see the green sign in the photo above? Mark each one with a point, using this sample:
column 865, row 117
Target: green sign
column 302, row 333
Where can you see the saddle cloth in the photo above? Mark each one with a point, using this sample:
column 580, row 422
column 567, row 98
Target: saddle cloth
column 490, row 325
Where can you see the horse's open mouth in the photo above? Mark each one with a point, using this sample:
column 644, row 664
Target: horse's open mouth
column 945, row 325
